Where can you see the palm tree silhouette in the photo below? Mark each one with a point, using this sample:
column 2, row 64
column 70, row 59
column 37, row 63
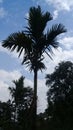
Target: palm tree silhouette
column 21, row 96
column 34, row 42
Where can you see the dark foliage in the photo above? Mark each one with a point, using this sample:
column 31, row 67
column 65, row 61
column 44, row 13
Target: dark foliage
column 60, row 97
column 16, row 113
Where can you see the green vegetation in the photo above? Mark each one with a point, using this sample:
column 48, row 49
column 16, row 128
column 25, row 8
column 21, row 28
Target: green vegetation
column 60, row 97
column 16, row 113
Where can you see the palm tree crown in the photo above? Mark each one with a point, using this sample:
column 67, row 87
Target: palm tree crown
column 34, row 42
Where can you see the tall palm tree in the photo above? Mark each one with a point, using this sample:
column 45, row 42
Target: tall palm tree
column 34, row 42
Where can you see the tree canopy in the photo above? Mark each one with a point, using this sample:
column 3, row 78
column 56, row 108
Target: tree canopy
column 60, row 97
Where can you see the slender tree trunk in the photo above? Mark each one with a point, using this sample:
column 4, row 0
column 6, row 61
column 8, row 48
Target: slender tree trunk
column 35, row 100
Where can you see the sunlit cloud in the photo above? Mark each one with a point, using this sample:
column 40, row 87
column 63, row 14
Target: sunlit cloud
column 59, row 5
column 6, row 76
column 13, row 54
column 63, row 53
column 27, row 15
column 55, row 14
column 6, row 79
column 67, row 43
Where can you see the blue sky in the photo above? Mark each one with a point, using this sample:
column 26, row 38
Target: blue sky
column 12, row 19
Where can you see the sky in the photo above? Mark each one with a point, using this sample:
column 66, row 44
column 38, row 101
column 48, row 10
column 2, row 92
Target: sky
column 12, row 19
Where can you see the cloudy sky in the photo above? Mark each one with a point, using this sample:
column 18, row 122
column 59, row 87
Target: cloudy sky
column 12, row 19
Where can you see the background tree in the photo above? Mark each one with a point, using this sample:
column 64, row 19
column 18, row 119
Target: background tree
column 34, row 42
column 60, row 97
column 16, row 112
column 21, row 101
column 21, row 95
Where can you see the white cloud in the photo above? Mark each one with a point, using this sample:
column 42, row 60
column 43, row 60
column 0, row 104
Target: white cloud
column 42, row 89
column 41, row 93
column 63, row 53
column 6, row 79
column 60, row 55
column 55, row 14
column 61, row 4
column 7, row 76
column 27, row 15
column 13, row 54
column 67, row 43
column 4, row 94
column 2, row 49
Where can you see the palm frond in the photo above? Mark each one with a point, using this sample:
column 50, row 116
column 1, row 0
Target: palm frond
column 48, row 55
column 53, row 33
column 26, row 59
column 40, row 66
column 18, row 41
column 37, row 21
